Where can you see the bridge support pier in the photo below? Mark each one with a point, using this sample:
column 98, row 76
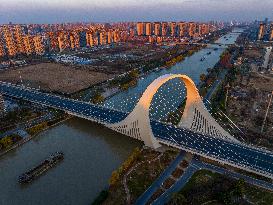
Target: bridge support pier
column 137, row 125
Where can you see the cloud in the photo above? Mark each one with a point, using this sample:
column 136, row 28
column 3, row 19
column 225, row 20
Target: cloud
column 51, row 11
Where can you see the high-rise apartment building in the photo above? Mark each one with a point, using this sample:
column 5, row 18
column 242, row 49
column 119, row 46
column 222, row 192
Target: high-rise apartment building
column 148, row 29
column 38, row 45
column 157, row 28
column 164, row 27
column 18, row 38
column 173, row 28
column 182, row 26
column 53, row 41
column 110, row 37
column 2, row 49
column 192, row 29
column 261, row 32
column 89, row 40
column 28, row 44
column 9, row 41
column 271, row 32
column 63, row 41
column 204, row 29
column 102, row 38
column 140, row 28
column 116, row 36
column 74, row 40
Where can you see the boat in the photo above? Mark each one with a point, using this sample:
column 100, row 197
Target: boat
column 215, row 49
column 202, row 59
column 208, row 53
column 41, row 168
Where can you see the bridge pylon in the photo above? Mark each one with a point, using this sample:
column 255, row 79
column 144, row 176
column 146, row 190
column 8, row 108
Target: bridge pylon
column 195, row 116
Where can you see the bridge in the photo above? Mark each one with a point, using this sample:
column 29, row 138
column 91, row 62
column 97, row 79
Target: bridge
column 197, row 132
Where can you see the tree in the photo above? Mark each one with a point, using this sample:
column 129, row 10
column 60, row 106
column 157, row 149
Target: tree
column 178, row 199
column 202, row 77
column 240, row 187
column 114, row 178
column 6, row 141
column 97, row 98
column 134, row 74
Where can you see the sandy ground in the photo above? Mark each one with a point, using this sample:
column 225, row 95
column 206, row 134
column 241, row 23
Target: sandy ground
column 54, row 77
column 250, row 110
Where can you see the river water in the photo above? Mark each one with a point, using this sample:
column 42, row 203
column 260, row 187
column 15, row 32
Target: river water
column 91, row 151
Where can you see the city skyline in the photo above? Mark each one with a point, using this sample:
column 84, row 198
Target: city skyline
column 48, row 11
column 117, row 102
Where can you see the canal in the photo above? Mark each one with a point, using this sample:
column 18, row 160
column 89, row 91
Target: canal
column 91, row 151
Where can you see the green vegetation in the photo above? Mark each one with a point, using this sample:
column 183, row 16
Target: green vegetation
column 174, row 60
column 54, row 121
column 175, row 117
column 38, row 128
column 145, row 175
column 8, row 141
column 141, row 177
column 125, row 166
column 203, row 77
column 206, row 187
column 218, row 100
column 97, row 98
column 101, row 198
column 127, row 81
column 12, row 118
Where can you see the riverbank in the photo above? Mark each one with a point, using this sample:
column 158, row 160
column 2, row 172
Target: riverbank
column 128, row 80
column 223, row 58
column 207, row 187
column 31, row 136
column 135, row 175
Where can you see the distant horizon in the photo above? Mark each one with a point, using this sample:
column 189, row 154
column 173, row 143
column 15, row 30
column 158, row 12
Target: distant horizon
column 101, row 22
column 103, row 11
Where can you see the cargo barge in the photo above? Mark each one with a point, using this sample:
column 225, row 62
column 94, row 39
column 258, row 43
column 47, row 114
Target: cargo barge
column 44, row 166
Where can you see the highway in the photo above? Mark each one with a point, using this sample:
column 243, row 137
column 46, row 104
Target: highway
column 196, row 165
column 238, row 155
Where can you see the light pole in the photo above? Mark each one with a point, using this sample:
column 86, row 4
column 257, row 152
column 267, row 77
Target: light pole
column 21, row 78
column 266, row 113
column 227, row 87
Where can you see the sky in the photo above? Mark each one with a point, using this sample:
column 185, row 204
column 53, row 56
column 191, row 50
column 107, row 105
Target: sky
column 59, row 11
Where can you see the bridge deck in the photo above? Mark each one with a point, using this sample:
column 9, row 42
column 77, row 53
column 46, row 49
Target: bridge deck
column 82, row 109
column 239, row 155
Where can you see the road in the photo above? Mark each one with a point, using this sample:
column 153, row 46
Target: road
column 250, row 180
column 215, row 85
column 239, row 155
column 266, row 56
column 183, row 180
column 196, row 165
column 21, row 128
column 144, row 198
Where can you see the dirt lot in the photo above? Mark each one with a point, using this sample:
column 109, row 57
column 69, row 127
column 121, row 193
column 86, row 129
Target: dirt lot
column 250, row 106
column 54, row 77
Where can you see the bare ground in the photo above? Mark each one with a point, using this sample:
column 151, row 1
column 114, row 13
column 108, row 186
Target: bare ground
column 54, row 77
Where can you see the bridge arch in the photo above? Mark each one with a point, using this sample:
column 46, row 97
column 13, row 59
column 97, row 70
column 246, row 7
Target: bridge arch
column 195, row 116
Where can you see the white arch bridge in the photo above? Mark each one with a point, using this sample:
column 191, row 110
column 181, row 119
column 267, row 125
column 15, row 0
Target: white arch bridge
column 197, row 131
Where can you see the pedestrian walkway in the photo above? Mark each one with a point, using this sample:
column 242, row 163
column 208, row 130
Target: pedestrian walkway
column 183, row 180
column 196, row 165
column 144, row 198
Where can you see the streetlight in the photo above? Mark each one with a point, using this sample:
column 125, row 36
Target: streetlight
column 227, row 87
column 20, row 77
column 266, row 113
